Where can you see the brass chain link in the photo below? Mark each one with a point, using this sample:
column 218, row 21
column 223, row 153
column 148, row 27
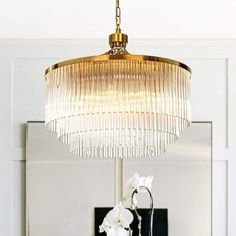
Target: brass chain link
column 118, row 17
column 118, row 40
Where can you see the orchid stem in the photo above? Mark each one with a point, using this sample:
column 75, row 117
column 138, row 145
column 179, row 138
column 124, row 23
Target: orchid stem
column 136, row 212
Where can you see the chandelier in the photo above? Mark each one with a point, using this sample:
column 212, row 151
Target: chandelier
column 118, row 104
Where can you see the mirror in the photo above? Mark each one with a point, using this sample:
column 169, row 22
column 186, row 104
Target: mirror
column 63, row 191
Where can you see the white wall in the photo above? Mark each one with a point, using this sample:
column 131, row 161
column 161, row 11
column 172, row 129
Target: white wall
column 22, row 98
column 148, row 19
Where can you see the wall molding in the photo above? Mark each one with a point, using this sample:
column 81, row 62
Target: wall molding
column 214, row 93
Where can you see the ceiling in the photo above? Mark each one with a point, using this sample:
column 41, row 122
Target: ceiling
column 149, row 19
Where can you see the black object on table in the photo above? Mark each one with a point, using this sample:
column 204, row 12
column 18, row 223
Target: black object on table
column 160, row 221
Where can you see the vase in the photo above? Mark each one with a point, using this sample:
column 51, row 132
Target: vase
column 118, row 232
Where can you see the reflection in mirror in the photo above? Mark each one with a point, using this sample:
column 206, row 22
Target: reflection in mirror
column 63, row 191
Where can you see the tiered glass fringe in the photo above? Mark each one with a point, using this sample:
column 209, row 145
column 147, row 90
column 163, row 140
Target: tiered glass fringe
column 118, row 108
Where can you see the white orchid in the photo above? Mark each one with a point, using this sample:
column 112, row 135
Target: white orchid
column 134, row 183
column 116, row 221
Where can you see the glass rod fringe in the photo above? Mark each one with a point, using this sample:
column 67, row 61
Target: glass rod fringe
column 118, row 108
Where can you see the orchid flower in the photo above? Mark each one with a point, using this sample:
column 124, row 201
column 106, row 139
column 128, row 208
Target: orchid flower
column 134, row 183
column 116, row 221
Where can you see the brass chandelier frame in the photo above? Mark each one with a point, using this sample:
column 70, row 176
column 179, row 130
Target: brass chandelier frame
column 118, row 51
column 106, row 57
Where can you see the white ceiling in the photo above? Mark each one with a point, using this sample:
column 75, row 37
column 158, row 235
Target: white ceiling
column 152, row 19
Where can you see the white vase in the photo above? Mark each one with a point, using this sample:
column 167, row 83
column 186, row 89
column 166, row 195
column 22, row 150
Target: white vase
column 117, row 232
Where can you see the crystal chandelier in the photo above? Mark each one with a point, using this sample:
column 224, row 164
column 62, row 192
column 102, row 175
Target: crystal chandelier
column 118, row 104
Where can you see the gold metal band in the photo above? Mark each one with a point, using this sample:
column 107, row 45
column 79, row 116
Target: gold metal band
column 118, row 38
column 129, row 57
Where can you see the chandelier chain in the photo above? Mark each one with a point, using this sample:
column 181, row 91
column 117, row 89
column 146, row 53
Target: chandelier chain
column 118, row 17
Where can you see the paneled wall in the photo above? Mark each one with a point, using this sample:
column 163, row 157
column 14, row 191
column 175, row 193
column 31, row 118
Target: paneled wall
column 22, row 63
